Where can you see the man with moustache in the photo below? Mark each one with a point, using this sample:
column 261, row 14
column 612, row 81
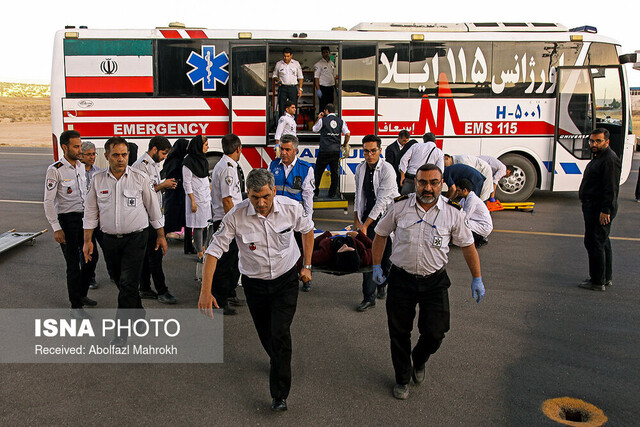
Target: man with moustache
column 424, row 224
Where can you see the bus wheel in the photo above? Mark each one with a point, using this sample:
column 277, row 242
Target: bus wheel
column 520, row 185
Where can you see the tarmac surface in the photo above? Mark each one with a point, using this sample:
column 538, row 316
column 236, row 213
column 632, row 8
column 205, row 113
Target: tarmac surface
column 535, row 336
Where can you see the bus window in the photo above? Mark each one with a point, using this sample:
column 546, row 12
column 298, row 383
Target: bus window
column 393, row 70
column 609, row 105
column 174, row 74
column 249, row 65
column 358, row 69
column 575, row 120
column 602, row 54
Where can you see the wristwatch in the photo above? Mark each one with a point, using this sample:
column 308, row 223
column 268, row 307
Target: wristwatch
column 308, row 267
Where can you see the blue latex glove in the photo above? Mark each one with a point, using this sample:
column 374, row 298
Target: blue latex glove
column 477, row 289
column 492, row 199
column 319, row 93
column 378, row 277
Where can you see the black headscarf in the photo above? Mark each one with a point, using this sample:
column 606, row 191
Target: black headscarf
column 196, row 160
column 348, row 261
column 172, row 167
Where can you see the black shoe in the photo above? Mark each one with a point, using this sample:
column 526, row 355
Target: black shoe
column 279, row 405
column 118, row 341
column 418, row 374
column 89, row 302
column 366, row 305
column 227, row 310
column 167, row 298
column 382, row 292
column 236, row 301
column 401, row 391
column 306, row 286
column 592, row 286
column 79, row 314
column 93, row 284
column 148, row 294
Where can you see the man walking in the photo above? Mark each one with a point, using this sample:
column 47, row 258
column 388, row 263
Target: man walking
column 599, row 196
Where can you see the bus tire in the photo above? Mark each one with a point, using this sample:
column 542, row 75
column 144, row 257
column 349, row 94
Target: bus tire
column 521, row 184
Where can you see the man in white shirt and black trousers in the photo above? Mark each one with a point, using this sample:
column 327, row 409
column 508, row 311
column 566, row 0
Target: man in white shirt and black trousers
column 287, row 73
column 263, row 226
column 227, row 186
column 123, row 201
column 423, row 223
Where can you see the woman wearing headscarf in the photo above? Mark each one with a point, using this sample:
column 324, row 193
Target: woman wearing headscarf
column 174, row 198
column 195, row 180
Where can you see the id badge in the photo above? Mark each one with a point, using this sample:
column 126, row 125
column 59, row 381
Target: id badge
column 437, row 242
column 297, row 183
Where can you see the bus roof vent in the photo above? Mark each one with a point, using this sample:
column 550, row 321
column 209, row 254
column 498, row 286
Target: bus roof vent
column 584, row 29
column 409, row 27
column 516, row 26
column 176, row 25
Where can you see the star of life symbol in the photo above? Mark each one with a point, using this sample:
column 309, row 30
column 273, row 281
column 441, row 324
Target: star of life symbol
column 208, row 67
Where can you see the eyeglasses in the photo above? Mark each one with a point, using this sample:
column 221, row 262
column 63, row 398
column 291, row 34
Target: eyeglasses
column 432, row 183
column 374, row 151
column 89, row 154
column 596, row 141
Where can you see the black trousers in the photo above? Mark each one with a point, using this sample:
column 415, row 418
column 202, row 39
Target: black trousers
column 331, row 158
column 78, row 272
column 272, row 304
column 99, row 235
column 225, row 279
column 327, row 96
column 431, row 295
column 286, row 92
column 91, row 265
column 597, row 243
column 638, row 186
column 126, row 254
column 368, row 285
column 152, row 265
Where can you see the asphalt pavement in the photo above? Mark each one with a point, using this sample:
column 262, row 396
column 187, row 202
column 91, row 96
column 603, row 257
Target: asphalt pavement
column 535, row 336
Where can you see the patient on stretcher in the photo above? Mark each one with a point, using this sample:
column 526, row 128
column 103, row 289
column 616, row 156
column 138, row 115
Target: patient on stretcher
column 340, row 252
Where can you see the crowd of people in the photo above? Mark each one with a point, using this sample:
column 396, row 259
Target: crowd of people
column 264, row 232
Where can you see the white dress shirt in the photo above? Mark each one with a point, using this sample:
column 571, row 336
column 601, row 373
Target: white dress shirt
column 477, row 214
column 224, row 183
column 421, row 239
column 65, row 190
column 325, row 72
column 498, row 169
column 147, row 165
column 288, row 73
column 286, row 126
column 267, row 248
column 419, row 154
column 122, row 205
column 384, row 187
column 88, row 174
column 482, row 167
column 201, row 191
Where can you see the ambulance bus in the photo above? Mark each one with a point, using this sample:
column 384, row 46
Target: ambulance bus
column 526, row 93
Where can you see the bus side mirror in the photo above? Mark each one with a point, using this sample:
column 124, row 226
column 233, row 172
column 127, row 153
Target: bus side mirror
column 628, row 57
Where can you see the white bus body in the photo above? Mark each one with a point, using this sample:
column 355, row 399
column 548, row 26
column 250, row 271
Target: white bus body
column 528, row 94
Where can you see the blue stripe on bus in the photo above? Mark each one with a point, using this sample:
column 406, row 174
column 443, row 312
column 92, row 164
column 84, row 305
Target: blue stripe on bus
column 571, row 168
column 547, row 165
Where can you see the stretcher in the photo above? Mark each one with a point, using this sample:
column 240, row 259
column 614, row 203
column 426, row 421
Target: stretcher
column 516, row 206
column 12, row 238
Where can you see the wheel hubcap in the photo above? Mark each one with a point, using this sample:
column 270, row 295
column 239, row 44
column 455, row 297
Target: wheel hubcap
column 515, row 182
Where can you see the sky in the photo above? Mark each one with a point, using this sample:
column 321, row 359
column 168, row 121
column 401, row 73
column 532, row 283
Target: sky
column 28, row 28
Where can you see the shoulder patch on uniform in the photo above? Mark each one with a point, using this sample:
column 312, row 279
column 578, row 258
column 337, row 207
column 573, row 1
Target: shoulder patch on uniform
column 399, row 198
column 454, row 204
column 229, row 164
column 145, row 161
column 57, row 165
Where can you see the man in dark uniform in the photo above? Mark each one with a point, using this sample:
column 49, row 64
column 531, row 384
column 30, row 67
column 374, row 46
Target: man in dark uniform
column 64, row 198
column 396, row 150
column 599, row 196
column 331, row 127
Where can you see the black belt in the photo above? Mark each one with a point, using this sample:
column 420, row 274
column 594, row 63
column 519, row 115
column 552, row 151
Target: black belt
column 72, row 214
column 415, row 277
column 409, row 176
column 290, row 85
column 120, row 236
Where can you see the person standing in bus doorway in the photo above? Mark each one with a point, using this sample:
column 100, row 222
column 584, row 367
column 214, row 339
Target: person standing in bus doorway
column 263, row 226
column 599, row 196
column 122, row 200
column 195, row 174
column 331, row 128
column 396, row 150
column 416, row 156
column 287, row 74
column 375, row 189
column 65, row 191
column 286, row 124
column 89, row 160
column 324, row 79
column 423, row 223
column 157, row 151
column 227, row 186
column 294, row 179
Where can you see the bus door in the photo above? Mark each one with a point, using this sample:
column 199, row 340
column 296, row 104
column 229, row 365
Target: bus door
column 248, row 100
column 588, row 97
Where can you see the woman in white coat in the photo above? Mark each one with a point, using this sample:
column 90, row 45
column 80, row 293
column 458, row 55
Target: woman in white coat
column 195, row 179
